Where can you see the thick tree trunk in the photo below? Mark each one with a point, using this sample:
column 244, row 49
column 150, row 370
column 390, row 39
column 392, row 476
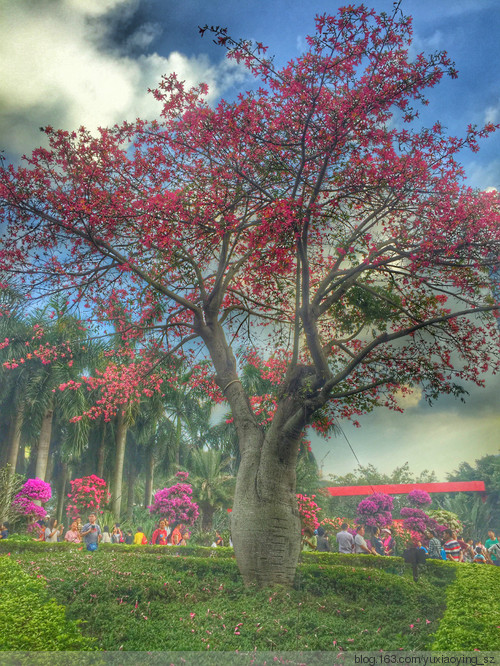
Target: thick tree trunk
column 15, row 438
column 101, row 453
column 148, row 488
column 44, row 444
column 265, row 523
column 120, row 441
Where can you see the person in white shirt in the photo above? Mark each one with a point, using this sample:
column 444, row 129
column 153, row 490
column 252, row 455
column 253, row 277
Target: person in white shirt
column 345, row 540
column 360, row 545
column 52, row 531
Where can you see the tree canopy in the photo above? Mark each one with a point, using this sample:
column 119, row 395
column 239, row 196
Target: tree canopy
column 310, row 218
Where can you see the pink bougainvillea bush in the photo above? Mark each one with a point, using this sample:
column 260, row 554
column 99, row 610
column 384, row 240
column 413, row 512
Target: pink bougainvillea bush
column 419, row 498
column 88, row 494
column 416, row 520
column 308, row 511
column 375, row 510
column 34, row 490
column 175, row 503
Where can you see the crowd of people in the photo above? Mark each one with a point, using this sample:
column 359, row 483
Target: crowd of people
column 91, row 534
column 381, row 542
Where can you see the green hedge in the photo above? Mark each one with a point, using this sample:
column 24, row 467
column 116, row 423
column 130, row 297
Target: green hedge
column 133, row 600
column 472, row 617
column 30, row 619
column 441, row 573
column 20, row 545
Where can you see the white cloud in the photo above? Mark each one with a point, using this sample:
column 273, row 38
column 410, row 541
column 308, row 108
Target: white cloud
column 492, row 114
column 484, row 176
column 57, row 71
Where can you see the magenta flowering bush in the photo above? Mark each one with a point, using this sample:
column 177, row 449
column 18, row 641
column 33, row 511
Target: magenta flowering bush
column 416, row 520
column 87, row 494
column 175, row 503
column 418, row 498
column 34, row 490
column 375, row 510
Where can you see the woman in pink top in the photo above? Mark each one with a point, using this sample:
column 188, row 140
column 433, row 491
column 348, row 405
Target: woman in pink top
column 73, row 535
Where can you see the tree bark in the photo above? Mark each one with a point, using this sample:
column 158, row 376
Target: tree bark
column 101, row 453
column 120, row 441
column 207, row 515
column 15, row 438
column 44, row 444
column 130, row 490
column 61, row 497
column 265, row 522
column 148, row 488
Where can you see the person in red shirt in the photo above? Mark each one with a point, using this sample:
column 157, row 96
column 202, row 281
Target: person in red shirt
column 160, row 535
column 451, row 547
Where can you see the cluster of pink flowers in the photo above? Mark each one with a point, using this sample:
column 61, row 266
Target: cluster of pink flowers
column 175, row 503
column 334, row 525
column 34, row 490
column 87, row 494
column 419, row 498
column 375, row 510
column 416, row 520
column 308, row 511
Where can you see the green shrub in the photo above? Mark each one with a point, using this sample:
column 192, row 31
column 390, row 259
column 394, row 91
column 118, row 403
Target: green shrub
column 472, row 617
column 30, row 619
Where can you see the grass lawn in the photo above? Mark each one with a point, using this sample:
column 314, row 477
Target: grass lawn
column 129, row 599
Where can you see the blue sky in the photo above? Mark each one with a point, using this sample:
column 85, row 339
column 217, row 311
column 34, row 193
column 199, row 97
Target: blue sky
column 90, row 62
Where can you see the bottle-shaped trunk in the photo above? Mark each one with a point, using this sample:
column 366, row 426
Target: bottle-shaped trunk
column 265, row 522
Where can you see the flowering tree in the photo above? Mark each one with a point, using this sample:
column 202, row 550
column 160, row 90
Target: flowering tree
column 175, row 503
column 87, row 495
column 313, row 205
column 28, row 501
column 308, row 511
column 375, row 510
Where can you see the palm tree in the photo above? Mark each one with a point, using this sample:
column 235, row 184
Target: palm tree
column 212, row 482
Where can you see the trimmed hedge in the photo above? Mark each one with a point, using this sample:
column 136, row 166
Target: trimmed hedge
column 133, row 600
column 20, row 545
column 30, row 619
column 472, row 617
column 441, row 573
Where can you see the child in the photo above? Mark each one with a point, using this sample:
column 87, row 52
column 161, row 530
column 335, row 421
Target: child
column 479, row 558
column 129, row 539
column 4, row 530
column 117, row 534
column 106, row 537
column 140, row 538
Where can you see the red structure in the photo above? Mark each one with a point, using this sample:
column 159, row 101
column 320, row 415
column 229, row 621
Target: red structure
column 403, row 488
